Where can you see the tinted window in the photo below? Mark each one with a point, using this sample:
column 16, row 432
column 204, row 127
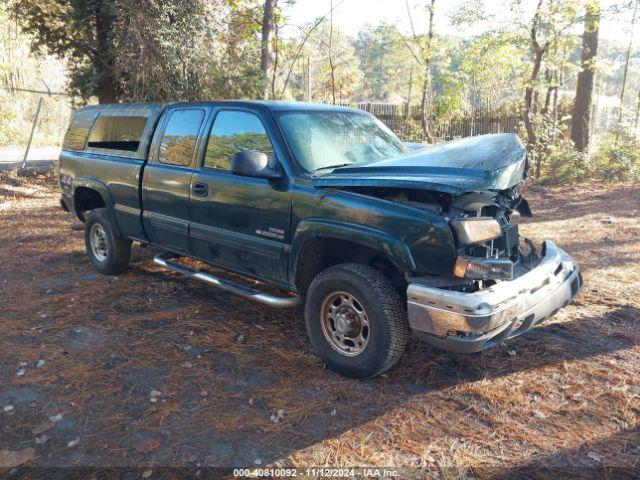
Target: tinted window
column 117, row 132
column 78, row 131
column 234, row 132
column 180, row 135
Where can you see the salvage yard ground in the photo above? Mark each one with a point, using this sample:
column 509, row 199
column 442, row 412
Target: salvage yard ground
column 148, row 369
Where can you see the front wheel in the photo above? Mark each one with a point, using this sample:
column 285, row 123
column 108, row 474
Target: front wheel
column 108, row 251
column 356, row 321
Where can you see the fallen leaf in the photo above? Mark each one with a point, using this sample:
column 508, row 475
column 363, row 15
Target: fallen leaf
column 56, row 418
column 148, row 445
column 10, row 459
column 594, row 456
column 43, row 427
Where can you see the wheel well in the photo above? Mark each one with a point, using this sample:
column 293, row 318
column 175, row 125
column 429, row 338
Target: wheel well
column 85, row 199
column 318, row 254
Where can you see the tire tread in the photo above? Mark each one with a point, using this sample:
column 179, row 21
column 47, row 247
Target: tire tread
column 121, row 246
column 388, row 301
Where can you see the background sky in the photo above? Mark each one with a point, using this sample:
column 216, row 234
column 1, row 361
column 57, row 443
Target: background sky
column 351, row 15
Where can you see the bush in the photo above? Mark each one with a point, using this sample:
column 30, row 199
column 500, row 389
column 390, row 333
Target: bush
column 563, row 163
column 617, row 157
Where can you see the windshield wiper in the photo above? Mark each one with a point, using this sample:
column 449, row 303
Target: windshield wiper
column 333, row 166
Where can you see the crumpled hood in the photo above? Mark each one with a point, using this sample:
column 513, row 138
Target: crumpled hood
column 485, row 162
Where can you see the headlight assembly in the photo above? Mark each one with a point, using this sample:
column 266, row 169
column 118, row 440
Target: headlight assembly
column 483, row 268
column 475, row 229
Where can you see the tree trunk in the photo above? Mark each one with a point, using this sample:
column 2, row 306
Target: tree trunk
column 331, row 64
column 549, row 76
column 637, row 113
column 408, row 110
column 107, row 91
column 424, row 108
column 626, row 63
column 425, row 104
column 274, row 72
column 265, row 45
column 105, row 88
column 581, row 117
column 528, row 111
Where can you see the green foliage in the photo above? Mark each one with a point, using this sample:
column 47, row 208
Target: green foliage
column 153, row 50
column 617, row 158
column 20, row 69
column 563, row 164
column 386, row 64
column 148, row 49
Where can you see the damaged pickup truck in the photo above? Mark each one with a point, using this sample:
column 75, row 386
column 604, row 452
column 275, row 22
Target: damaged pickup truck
column 325, row 204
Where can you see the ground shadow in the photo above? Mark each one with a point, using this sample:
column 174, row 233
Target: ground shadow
column 118, row 340
column 590, row 460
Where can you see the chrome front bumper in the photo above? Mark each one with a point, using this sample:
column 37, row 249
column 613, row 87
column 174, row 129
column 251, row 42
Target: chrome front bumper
column 470, row 322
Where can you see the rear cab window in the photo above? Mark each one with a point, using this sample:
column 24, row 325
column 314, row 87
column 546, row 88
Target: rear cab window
column 180, row 135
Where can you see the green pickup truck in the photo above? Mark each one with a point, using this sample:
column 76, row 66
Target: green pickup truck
column 376, row 238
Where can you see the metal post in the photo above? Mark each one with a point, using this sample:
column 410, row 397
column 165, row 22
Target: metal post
column 23, row 165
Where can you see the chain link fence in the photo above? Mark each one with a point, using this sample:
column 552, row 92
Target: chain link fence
column 32, row 126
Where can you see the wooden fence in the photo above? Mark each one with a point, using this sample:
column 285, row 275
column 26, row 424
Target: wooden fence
column 406, row 122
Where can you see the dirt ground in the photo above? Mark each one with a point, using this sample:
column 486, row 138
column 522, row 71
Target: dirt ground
column 146, row 369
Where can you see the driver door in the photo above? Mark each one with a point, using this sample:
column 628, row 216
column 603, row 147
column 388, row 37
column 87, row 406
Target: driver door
column 241, row 223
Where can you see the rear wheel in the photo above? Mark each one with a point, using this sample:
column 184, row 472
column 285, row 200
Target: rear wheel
column 108, row 251
column 355, row 320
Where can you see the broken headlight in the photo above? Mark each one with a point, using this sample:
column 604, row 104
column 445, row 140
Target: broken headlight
column 475, row 229
column 483, row 268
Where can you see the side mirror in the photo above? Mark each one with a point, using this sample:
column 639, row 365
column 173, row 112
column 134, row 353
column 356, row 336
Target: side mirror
column 251, row 163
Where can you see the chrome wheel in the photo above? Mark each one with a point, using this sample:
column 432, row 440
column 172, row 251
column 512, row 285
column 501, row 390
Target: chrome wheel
column 98, row 239
column 345, row 324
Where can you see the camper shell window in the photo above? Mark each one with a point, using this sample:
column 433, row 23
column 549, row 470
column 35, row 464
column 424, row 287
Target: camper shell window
column 76, row 135
column 117, row 132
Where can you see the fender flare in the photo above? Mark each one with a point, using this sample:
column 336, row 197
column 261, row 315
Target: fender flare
column 391, row 247
column 102, row 190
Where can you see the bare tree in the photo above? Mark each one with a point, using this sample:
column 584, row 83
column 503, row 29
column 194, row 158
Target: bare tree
column 538, row 50
column 331, row 64
column 424, row 59
column 626, row 63
column 303, row 42
column 581, row 117
column 276, row 57
column 266, row 57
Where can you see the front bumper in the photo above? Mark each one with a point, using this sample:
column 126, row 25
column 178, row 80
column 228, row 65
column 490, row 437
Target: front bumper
column 470, row 322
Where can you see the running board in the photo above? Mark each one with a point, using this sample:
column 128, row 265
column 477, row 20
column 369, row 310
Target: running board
column 164, row 259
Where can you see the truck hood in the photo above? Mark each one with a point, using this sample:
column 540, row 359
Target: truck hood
column 484, row 162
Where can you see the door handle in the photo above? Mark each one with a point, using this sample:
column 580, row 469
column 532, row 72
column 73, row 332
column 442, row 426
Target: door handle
column 200, row 189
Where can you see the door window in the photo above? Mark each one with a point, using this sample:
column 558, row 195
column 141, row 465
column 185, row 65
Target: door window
column 233, row 132
column 180, row 135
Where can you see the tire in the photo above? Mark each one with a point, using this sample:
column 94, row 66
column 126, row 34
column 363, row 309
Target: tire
column 109, row 252
column 350, row 343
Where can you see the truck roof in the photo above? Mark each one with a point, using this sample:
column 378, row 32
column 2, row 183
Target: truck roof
column 151, row 108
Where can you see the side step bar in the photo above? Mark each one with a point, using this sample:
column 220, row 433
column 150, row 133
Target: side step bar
column 165, row 258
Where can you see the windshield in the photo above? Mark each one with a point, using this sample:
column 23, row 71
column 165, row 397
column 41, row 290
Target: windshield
column 322, row 141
